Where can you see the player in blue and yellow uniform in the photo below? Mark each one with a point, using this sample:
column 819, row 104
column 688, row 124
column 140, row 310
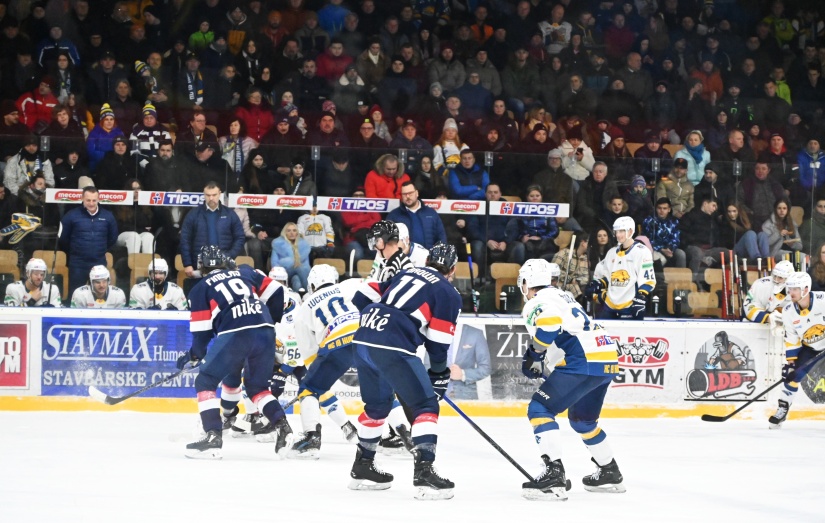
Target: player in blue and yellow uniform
column 239, row 308
column 416, row 306
column 587, row 361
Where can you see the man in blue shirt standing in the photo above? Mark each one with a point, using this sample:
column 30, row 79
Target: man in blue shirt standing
column 426, row 227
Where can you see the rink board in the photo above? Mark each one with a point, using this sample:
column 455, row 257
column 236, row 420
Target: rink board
column 49, row 358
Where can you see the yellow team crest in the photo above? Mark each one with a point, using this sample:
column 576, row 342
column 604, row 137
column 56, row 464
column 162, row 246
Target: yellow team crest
column 619, row 278
column 814, row 334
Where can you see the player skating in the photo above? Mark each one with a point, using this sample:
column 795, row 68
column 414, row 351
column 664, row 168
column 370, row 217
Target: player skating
column 625, row 278
column 416, row 306
column 578, row 384
column 804, row 321
column 237, row 307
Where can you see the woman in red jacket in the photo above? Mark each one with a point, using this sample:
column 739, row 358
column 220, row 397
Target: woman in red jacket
column 386, row 179
column 256, row 114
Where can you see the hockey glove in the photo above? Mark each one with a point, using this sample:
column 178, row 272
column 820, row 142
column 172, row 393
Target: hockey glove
column 789, row 371
column 440, row 381
column 395, row 264
column 155, row 307
column 639, row 305
column 277, row 383
column 170, row 307
column 532, row 363
column 187, row 358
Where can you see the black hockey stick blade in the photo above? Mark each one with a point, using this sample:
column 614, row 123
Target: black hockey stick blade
column 711, row 417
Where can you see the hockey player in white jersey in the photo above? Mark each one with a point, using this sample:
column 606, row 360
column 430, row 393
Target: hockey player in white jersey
column 33, row 291
column 767, row 295
column 578, row 384
column 415, row 252
column 804, row 320
column 157, row 292
column 100, row 293
column 625, row 278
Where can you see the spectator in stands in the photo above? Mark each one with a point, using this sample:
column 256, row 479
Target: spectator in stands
column 103, row 78
column 356, row 225
column 64, row 134
column 101, row 139
column 135, row 223
column 23, row 166
column 601, row 241
column 386, row 179
column 424, row 225
column 662, row 229
column 31, row 199
column 117, row 167
column 36, row 106
column 694, row 155
column 291, row 252
column 710, row 187
column 88, row 231
column 817, row 269
column 127, row 110
column 758, row 194
column 255, row 114
column 300, row 182
column 165, row 172
column 778, row 159
column 780, row 229
column 618, row 40
column 372, row 64
column 12, row 132
column 192, row 87
column 616, row 208
column 639, row 202
column 447, row 149
column 520, row 82
column 317, row 230
column 500, row 238
column 735, row 149
column 68, row 79
column 661, row 108
column 367, row 146
column 147, row 135
column 676, row 187
column 468, row 181
column 447, row 69
column 428, row 181
column 489, row 76
column 811, row 161
column 812, row 231
column 576, row 268
column 194, row 135
column 647, row 153
column 578, row 158
column 701, row 236
column 595, row 193
column 556, row 185
column 719, row 129
column 537, row 233
column 210, row 224
column 416, row 146
column 235, row 148
column 99, row 293
column 70, row 170
column 326, row 135
column 738, row 235
column 695, row 110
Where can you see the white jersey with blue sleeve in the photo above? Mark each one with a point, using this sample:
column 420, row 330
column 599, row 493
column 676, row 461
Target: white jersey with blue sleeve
column 804, row 327
column 552, row 316
column 327, row 319
column 762, row 301
column 625, row 273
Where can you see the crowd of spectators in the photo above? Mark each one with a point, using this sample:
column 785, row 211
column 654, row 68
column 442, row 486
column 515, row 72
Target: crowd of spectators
column 702, row 120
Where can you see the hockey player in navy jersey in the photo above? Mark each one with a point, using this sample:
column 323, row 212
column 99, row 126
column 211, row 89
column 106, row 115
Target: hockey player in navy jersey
column 415, row 306
column 587, row 362
column 238, row 307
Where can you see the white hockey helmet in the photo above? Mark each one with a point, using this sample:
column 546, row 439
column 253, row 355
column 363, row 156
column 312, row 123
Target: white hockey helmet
column 278, row 274
column 625, row 223
column 536, row 273
column 799, row 280
column 158, row 265
column 403, row 232
column 780, row 274
column 35, row 264
column 321, row 275
column 99, row 272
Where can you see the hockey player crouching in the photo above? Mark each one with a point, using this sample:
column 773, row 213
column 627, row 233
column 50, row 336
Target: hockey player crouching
column 157, row 293
column 33, row 291
column 804, row 320
column 578, row 385
column 100, row 293
column 238, row 308
column 625, row 278
column 767, row 295
column 416, row 306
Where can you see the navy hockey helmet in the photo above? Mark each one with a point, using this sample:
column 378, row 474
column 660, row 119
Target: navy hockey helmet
column 382, row 230
column 212, row 258
column 443, row 257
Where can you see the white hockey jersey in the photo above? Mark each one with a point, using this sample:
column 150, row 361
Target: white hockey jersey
column 418, row 256
column 626, row 273
column 286, row 345
column 316, row 229
column 553, row 316
column 327, row 319
column 761, row 300
column 804, row 327
column 83, row 298
column 18, row 296
column 143, row 296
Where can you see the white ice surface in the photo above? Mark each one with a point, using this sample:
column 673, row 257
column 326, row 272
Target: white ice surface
column 79, row 467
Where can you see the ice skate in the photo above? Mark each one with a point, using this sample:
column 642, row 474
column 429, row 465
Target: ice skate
column 228, row 417
column 308, row 447
column 365, row 476
column 429, row 484
column 208, row 447
column 350, row 432
column 606, row 479
column 247, row 425
column 406, row 439
column 265, row 433
column 550, row 485
column 392, row 444
column 776, row 421
column 283, row 438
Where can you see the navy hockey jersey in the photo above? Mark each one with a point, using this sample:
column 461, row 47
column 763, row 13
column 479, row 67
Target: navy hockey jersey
column 232, row 300
column 415, row 306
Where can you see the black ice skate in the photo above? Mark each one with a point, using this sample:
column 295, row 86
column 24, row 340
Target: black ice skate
column 606, row 479
column 550, row 485
column 365, row 476
column 248, row 424
column 776, row 421
column 208, row 447
column 350, row 432
column 228, row 417
column 308, row 447
column 429, row 484
column 392, row 444
column 406, row 438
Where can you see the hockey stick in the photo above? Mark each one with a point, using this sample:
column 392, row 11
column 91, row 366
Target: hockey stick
column 488, row 438
column 569, row 259
column 102, row 397
column 473, row 292
column 808, row 365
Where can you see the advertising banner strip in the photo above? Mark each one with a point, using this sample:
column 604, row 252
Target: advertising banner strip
column 553, row 210
column 170, row 198
column 76, row 196
column 271, row 201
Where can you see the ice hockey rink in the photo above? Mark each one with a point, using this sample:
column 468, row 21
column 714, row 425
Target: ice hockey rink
column 113, row 467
